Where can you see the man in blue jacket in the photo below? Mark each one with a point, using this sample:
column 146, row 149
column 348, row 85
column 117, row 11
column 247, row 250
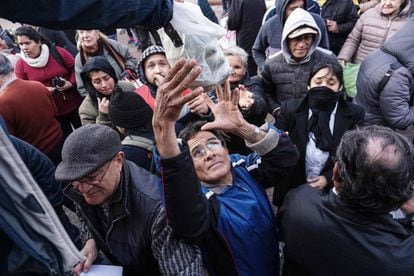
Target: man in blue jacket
column 214, row 199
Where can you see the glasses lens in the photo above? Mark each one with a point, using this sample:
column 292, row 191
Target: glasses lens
column 201, row 151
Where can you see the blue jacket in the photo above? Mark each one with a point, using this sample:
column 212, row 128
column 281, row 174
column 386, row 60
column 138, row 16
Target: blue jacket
column 235, row 229
column 88, row 14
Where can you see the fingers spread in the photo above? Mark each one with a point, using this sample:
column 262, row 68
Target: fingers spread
column 178, row 65
column 227, row 91
column 219, row 93
column 186, row 74
column 187, row 98
column 236, row 96
column 208, row 101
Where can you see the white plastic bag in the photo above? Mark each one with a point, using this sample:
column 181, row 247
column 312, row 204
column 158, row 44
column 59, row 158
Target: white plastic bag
column 200, row 37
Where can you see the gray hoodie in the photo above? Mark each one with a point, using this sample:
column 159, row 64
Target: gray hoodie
column 284, row 78
column 299, row 18
column 268, row 40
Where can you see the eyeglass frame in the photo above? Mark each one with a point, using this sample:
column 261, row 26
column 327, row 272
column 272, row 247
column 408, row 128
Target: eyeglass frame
column 95, row 181
column 203, row 148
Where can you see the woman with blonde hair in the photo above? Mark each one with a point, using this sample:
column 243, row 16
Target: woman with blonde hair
column 94, row 43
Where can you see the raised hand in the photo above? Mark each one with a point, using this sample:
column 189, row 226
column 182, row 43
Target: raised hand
column 226, row 112
column 103, row 105
column 170, row 100
column 246, row 99
column 169, row 94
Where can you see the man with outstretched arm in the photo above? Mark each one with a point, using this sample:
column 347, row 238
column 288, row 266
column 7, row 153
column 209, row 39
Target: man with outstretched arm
column 214, row 199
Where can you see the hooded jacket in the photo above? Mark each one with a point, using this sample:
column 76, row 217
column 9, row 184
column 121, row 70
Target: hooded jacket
column 268, row 40
column 88, row 110
column 393, row 105
column 285, row 78
column 123, row 52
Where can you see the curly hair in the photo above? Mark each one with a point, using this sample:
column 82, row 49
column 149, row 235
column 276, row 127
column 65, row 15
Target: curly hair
column 376, row 169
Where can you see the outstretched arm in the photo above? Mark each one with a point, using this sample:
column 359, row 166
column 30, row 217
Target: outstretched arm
column 169, row 104
column 186, row 206
column 228, row 117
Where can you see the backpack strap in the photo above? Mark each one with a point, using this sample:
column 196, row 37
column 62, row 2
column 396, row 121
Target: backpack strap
column 394, row 66
column 55, row 54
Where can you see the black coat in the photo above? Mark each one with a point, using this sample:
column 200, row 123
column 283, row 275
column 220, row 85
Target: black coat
column 345, row 14
column 325, row 237
column 245, row 17
column 127, row 239
column 294, row 119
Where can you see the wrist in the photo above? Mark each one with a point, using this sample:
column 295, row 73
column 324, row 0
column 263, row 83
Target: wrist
column 251, row 133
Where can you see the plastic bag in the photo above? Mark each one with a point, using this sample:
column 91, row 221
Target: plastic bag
column 350, row 77
column 200, row 37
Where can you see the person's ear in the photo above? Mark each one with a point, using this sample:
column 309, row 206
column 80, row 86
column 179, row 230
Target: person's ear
column 119, row 158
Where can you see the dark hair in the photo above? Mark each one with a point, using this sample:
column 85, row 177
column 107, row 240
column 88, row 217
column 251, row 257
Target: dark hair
column 5, row 65
column 192, row 129
column 376, row 169
column 30, row 32
column 333, row 67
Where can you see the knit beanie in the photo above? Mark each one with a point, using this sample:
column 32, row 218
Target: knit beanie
column 151, row 50
column 129, row 110
column 85, row 150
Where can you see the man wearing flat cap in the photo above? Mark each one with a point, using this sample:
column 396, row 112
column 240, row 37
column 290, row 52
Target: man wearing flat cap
column 120, row 208
column 286, row 73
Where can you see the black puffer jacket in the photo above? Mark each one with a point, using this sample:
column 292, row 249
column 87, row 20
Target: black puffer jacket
column 268, row 40
column 392, row 106
column 137, row 236
column 284, row 78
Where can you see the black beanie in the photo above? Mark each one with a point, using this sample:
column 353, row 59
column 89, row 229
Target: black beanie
column 129, row 110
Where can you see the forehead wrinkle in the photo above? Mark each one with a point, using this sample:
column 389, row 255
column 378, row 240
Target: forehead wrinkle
column 200, row 139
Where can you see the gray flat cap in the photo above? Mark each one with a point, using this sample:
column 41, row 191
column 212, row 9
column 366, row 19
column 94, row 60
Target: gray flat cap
column 86, row 150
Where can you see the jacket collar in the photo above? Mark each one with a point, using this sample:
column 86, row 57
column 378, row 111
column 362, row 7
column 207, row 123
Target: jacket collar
column 384, row 223
column 119, row 205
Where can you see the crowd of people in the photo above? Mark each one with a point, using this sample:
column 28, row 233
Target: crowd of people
column 275, row 171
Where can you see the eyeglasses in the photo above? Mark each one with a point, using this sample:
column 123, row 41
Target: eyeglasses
column 200, row 151
column 95, row 181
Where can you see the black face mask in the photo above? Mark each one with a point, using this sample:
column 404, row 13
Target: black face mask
column 323, row 98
